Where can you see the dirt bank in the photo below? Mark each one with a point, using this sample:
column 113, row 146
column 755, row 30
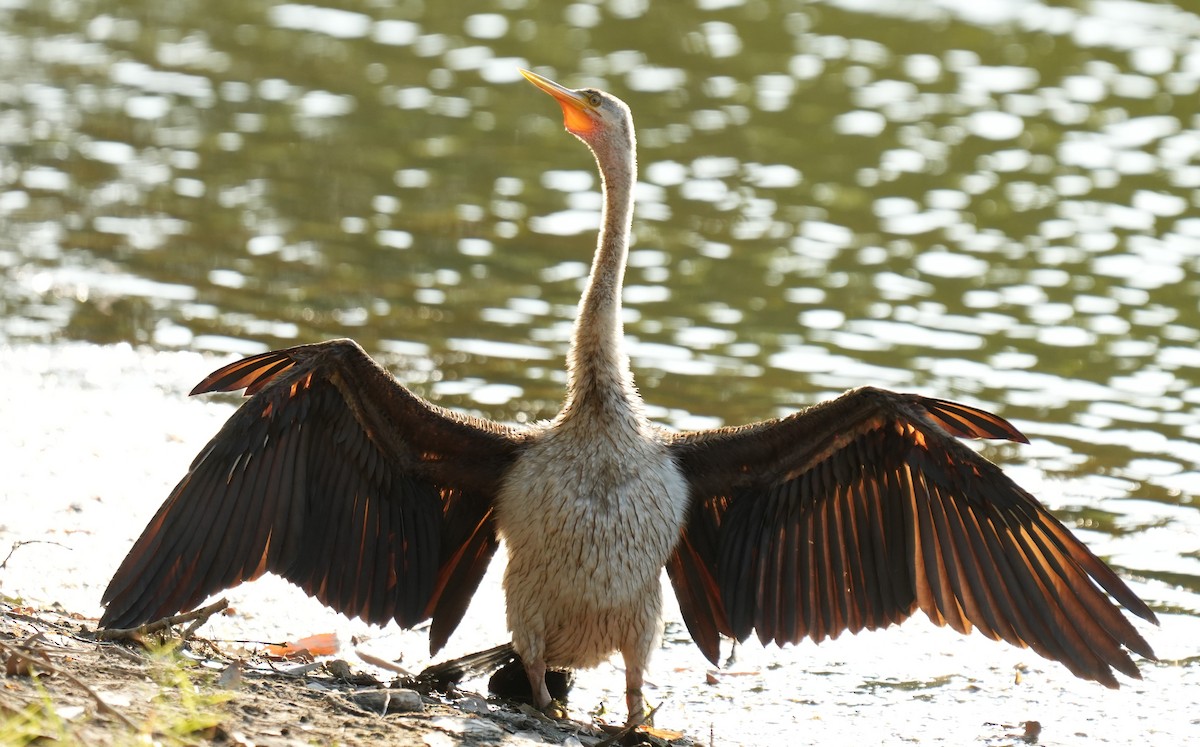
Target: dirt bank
column 62, row 686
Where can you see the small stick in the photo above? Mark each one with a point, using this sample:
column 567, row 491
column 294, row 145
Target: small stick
column 18, row 543
column 126, row 654
column 46, row 665
column 376, row 661
column 191, row 629
column 133, row 634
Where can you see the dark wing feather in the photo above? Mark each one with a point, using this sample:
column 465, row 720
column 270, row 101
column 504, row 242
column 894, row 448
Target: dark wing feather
column 691, row 569
column 854, row 514
column 470, row 540
column 335, row 477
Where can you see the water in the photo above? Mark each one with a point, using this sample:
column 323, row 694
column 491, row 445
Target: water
column 990, row 202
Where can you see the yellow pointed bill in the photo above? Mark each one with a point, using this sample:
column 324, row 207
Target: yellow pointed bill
column 576, row 108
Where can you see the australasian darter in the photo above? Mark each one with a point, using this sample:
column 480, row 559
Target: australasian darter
column 849, row 515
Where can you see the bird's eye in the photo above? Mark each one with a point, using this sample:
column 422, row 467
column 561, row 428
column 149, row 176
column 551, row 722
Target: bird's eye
column 593, row 99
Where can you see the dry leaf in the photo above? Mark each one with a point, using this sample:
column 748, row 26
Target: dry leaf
column 19, row 666
column 15, row 666
column 664, row 734
column 231, row 676
column 321, row 644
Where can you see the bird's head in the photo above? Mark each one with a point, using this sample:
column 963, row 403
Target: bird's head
column 597, row 118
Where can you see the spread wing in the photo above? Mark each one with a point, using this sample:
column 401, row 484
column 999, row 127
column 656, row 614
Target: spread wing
column 854, row 514
column 335, row 477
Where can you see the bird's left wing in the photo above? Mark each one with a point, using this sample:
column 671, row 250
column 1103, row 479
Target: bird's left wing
column 853, row 514
column 337, row 478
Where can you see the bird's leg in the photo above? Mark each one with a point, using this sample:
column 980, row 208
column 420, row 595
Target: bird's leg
column 535, row 670
column 634, row 669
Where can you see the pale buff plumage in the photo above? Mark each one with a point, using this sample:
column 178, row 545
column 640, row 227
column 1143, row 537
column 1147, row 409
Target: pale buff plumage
column 598, row 480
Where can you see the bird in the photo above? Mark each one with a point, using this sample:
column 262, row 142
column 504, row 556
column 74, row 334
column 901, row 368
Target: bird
column 851, row 514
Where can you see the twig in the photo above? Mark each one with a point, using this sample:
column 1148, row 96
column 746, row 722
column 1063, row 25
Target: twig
column 191, row 629
column 46, row 665
column 346, row 704
column 135, row 634
column 382, row 663
column 57, row 626
column 19, row 543
column 126, row 654
column 31, row 619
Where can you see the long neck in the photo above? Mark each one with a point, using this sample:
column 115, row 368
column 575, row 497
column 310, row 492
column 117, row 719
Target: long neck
column 599, row 379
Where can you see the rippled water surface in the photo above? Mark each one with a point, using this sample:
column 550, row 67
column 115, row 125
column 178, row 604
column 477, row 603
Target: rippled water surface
column 994, row 202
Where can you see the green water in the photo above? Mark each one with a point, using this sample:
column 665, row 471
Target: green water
column 994, row 202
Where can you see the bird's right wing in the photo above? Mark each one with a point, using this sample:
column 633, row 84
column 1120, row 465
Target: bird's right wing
column 335, row 477
column 855, row 513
